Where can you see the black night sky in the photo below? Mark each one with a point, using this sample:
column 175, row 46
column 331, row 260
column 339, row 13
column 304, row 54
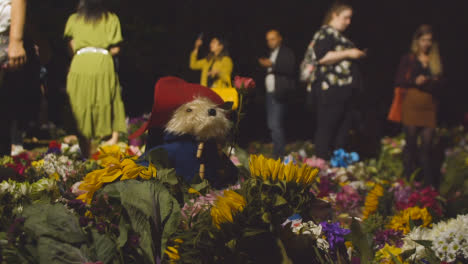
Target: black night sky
column 159, row 36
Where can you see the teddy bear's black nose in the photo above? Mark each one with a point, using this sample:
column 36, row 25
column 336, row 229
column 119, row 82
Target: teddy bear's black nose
column 212, row 112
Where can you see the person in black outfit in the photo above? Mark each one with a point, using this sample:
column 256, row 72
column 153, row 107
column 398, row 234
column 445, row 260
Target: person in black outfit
column 16, row 59
column 334, row 79
column 420, row 74
column 279, row 84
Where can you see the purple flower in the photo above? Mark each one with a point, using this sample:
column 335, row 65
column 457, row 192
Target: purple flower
column 13, row 230
column 334, row 234
column 54, row 151
column 134, row 241
column 101, row 227
column 83, row 221
column 389, row 236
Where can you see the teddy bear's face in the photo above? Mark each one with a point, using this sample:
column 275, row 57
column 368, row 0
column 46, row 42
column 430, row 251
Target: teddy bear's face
column 200, row 118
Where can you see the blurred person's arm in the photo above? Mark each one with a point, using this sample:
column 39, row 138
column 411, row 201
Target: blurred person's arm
column 195, row 63
column 16, row 52
column 333, row 57
column 114, row 50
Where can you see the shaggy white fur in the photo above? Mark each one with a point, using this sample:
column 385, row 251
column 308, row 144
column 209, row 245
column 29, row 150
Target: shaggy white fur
column 201, row 118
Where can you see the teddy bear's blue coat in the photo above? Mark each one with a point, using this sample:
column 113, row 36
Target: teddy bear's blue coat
column 182, row 154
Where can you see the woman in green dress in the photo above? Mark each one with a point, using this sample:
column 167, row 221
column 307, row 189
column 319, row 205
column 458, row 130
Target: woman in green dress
column 92, row 83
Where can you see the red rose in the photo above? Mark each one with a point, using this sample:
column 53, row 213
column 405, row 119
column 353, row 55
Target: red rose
column 54, row 144
column 244, row 83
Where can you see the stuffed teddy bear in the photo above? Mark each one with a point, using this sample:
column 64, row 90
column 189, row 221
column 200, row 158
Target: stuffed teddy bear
column 195, row 125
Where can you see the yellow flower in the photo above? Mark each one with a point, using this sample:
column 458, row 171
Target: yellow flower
column 384, row 255
column 38, row 164
column 372, row 201
column 172, row 253
column 88, row 214
column 130, row 169
column 274, row 171
column 348, row 244
column 401, row 221
column 192, row 191
column 178, row 240
column 54, row 176
column 125, row 170
column 225, row 206
column 109, row 154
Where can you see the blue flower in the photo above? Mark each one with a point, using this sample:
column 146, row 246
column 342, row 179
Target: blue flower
column 295, row 217
column 343, row 159
column 289, row 159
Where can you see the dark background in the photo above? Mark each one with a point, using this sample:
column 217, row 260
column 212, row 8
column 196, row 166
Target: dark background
column 159, row 36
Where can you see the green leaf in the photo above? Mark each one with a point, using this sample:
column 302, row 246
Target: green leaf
column 359, row 239
column 167, row 176
column 105, row 247
column 55, row 252
column 243, row 157
column 280, row 201
column 123, row 230
column 425, row 243
column 411, row 223
column 159, row 158
column 394, row 258
column 248, row 232
column 53, row 221
column 201, row 186
column 266, row 217
column 138, row 199
column 408, row 253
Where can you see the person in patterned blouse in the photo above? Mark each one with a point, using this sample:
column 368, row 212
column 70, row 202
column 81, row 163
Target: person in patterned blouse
column 331, row 71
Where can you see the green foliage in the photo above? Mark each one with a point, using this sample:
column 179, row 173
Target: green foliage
column 362, row 241
column 372, row 224
column 456, row 176
column 52, row 234
column 151, row 210
column 53, row 221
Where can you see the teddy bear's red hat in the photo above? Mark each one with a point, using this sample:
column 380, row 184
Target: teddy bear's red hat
column 170, row 93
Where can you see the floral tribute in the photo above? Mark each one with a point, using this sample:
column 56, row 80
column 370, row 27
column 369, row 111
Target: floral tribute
column 56, row 205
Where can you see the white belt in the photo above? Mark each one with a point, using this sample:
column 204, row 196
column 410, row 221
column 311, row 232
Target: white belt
column 92, row 50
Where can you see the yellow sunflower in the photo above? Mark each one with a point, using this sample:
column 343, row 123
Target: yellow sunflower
column 225, row 206
column 125, row 170
column 173, row 252
column 372, row 201
column 275, row 170
column 401, row 221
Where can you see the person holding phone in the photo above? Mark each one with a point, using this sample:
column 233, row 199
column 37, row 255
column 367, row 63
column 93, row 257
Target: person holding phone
column 216, row 68
column 334, row 77
column 419, row 73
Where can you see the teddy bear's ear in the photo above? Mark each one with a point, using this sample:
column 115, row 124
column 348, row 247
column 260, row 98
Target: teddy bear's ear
column 227, row 106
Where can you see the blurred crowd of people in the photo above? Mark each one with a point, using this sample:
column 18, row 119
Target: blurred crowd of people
column 329, row 69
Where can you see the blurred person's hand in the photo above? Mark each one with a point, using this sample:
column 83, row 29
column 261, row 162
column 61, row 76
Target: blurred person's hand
column 265, row 62
column 355, row 53
column 421, row 79
column 16, row 54
column 198, row 43
column 213, row 73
